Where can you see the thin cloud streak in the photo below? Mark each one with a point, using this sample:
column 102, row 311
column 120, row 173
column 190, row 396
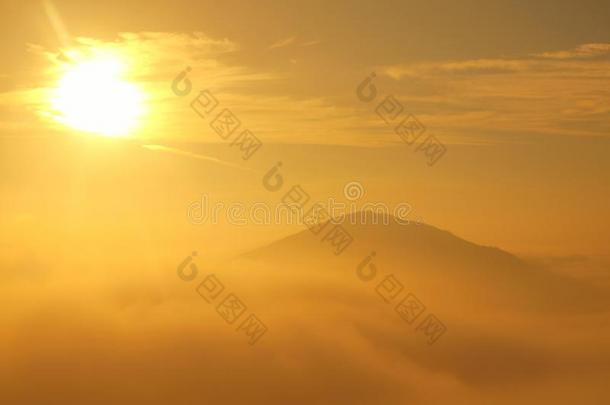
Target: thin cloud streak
column 282, row 43
column 180, row 152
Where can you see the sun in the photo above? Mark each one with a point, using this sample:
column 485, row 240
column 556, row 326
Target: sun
column 93, row 96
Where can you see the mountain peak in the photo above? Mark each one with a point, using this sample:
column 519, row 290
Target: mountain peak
column 390, row 236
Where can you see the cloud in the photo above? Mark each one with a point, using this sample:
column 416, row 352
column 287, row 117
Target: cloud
column 282, row 43
column 154, row 59
column 101, row 323
column 581, row 52
column 467, row 67
column 556, row 93
column 468, row 101
column 154, row 53
column 311, row 43
column 291, row 40
column 199, row 156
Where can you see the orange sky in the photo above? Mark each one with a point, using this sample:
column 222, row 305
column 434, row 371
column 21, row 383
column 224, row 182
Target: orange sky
column 509, row 239
column 517, row 94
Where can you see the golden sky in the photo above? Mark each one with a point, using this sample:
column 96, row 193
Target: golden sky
column 518, row 92
column 98, row 209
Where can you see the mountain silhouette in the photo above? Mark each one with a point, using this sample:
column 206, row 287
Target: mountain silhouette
column 431, row 260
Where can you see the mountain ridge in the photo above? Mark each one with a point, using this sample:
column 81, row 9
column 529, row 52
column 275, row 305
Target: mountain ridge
column 432, row 260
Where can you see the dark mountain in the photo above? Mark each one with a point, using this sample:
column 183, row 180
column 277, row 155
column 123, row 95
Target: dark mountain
column 432, row 261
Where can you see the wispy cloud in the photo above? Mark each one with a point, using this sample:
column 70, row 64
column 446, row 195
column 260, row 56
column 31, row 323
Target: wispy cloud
column 159, row 56
column 154, row 59
column 554, row 93
column 292, row 40
column 311, row 43
column 180, row 152
column 282, row 43
column 583, row 51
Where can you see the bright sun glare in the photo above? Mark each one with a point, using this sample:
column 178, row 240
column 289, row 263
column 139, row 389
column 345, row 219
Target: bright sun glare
column 93, row 96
